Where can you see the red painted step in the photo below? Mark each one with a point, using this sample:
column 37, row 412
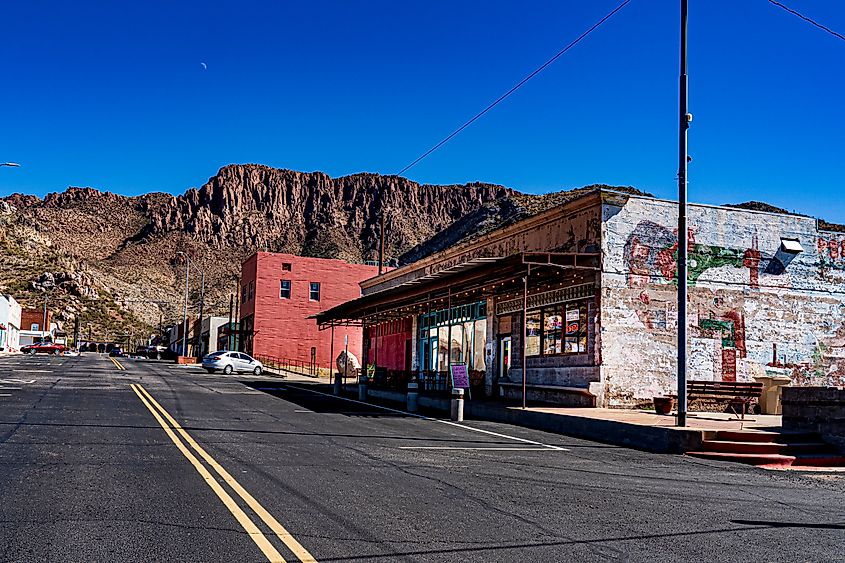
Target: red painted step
column 750, row 459
column 754, row 447
column 762, row 436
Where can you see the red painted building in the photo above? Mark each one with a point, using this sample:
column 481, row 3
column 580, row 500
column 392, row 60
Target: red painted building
column 279, row 292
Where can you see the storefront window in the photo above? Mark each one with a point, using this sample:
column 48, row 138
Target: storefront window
column 442, row 347
column 552, row 328
column 464, row 342
column 479, row 360
column 457, row 343
column 576, row 328
column 559, row 329
column 532, row 333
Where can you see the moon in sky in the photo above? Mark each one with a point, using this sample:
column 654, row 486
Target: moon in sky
column 204, row 66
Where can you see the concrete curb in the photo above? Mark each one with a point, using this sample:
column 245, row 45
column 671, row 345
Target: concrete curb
column 657, row 439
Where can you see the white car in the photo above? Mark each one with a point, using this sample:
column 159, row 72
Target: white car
column 228, row 362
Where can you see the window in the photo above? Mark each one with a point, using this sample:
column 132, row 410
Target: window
column 286, row 267
column 576, row 328
column 284, row 289
column 559, row 329
column 552, row 327
column 251, row 290
column 35, row 326
column 243, row 294
column 532, row 333
column 314, row 294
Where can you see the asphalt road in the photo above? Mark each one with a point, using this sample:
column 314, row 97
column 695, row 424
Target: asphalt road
column 156, row 462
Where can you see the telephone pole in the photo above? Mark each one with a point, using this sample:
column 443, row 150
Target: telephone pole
column 683, row 235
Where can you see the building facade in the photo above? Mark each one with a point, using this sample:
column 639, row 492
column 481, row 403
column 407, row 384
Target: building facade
column 10, row 324
column 33, row 326
column 280, row 293
column 598, row 324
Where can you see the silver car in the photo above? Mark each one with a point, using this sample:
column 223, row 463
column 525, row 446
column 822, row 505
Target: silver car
column 229, row 362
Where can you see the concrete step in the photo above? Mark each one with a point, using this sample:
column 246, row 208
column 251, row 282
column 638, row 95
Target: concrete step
column 792, row 448
column 762, row 436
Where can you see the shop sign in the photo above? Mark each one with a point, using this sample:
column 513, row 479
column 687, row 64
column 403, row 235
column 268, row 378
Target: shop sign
column 460, row 376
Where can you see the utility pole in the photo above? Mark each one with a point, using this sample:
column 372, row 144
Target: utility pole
column 683, row 237
column 381, row 243
column 229, row 336
column 237, row 312
column 185, row 322
column 202, row 305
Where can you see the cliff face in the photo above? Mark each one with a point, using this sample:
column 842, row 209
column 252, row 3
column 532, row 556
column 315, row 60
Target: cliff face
column 258, row 207
column 121, row 251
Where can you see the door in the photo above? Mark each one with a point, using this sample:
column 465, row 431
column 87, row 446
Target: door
column 504, row 359
column 244, row 363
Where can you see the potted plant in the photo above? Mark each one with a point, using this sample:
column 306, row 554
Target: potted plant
column 663, row 405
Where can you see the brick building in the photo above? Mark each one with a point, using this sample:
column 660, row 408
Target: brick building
column 599, row 322
column 33, row 320
column 279, row 292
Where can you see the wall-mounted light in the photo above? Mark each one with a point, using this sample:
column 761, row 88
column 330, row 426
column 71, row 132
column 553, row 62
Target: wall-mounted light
column 791, row 246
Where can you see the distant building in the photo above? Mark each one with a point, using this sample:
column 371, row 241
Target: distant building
column 34, row 328
column 280, row 293
column 209, row 335
column 10, row 324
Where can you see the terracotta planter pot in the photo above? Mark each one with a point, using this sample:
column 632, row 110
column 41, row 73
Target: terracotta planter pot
column 663, row 405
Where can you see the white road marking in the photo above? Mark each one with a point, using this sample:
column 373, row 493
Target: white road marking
column 449, row 422
column 19, row 381
column 523, row 449
column 306, row 411
column 5, row 394
column 32, row 370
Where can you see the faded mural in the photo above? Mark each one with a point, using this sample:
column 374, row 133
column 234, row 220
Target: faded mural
column 754, row 309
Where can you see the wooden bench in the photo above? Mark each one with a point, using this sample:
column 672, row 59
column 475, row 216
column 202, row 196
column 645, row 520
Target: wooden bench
column 733, row 393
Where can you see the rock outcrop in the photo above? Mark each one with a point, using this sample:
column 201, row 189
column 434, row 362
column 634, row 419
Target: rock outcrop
column 258, row 207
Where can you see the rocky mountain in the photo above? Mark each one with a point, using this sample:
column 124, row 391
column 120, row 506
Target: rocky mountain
column 112, row 261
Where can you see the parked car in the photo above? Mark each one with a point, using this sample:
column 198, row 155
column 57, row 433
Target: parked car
column 228, row 362
column 116, row 352
column 44, row 348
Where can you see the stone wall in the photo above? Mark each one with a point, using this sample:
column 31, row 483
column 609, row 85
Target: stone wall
column 753, row 308
column 815, row 409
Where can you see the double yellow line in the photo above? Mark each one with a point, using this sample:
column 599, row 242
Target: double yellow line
column 169, row 424
column 117, row 364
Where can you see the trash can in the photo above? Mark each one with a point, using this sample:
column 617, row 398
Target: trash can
column 770, row 397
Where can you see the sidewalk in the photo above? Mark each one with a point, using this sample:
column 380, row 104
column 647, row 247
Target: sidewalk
column 642, row 430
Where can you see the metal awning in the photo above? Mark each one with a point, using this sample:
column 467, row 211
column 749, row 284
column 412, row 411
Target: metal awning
column 385, row 303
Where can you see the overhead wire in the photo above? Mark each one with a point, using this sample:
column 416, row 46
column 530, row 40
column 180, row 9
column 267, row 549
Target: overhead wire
column 514, row 88
column 807, row 19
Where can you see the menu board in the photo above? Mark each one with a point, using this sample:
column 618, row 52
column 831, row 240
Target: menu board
column 460, row 376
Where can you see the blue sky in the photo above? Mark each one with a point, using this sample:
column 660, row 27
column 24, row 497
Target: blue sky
column 113, row 94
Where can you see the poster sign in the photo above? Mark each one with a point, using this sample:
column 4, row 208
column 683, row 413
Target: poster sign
column 460, row 376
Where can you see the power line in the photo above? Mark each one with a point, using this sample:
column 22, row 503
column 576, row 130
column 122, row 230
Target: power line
column 808, row 20
column 515, row 88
